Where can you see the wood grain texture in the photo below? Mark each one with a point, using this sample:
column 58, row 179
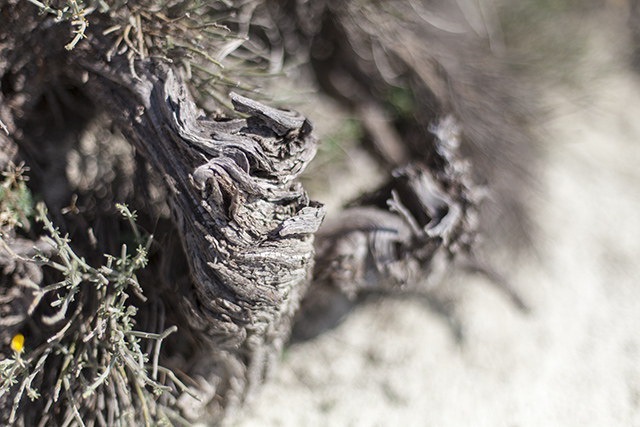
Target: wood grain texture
column 245, row 224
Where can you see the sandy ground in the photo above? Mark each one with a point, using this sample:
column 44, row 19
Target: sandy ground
column 573, row 361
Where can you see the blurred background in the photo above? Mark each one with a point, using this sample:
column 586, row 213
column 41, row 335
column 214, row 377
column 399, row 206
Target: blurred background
column 574, row 358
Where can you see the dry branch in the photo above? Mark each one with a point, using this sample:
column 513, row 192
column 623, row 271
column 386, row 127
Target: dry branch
column 409, row 230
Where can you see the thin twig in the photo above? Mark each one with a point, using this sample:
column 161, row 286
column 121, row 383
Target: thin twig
column 72, row 401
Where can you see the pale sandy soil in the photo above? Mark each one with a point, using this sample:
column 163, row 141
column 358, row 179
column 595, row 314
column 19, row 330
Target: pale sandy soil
column 573, row 361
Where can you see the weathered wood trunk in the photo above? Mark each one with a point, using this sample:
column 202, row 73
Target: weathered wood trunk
column 245, row 223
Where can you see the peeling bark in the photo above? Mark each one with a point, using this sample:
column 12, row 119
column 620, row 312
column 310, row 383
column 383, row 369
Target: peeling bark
column 245, row 224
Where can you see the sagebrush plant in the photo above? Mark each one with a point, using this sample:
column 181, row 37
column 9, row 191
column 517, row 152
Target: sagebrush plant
column 101, row 370
column 16, row 202
column 72, row 11
column 208, row 41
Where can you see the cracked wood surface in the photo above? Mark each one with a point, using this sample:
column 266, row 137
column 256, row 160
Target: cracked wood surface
column 245, row 224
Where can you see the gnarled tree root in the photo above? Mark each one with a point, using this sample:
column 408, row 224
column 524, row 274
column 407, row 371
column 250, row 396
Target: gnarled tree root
column 245, row 223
